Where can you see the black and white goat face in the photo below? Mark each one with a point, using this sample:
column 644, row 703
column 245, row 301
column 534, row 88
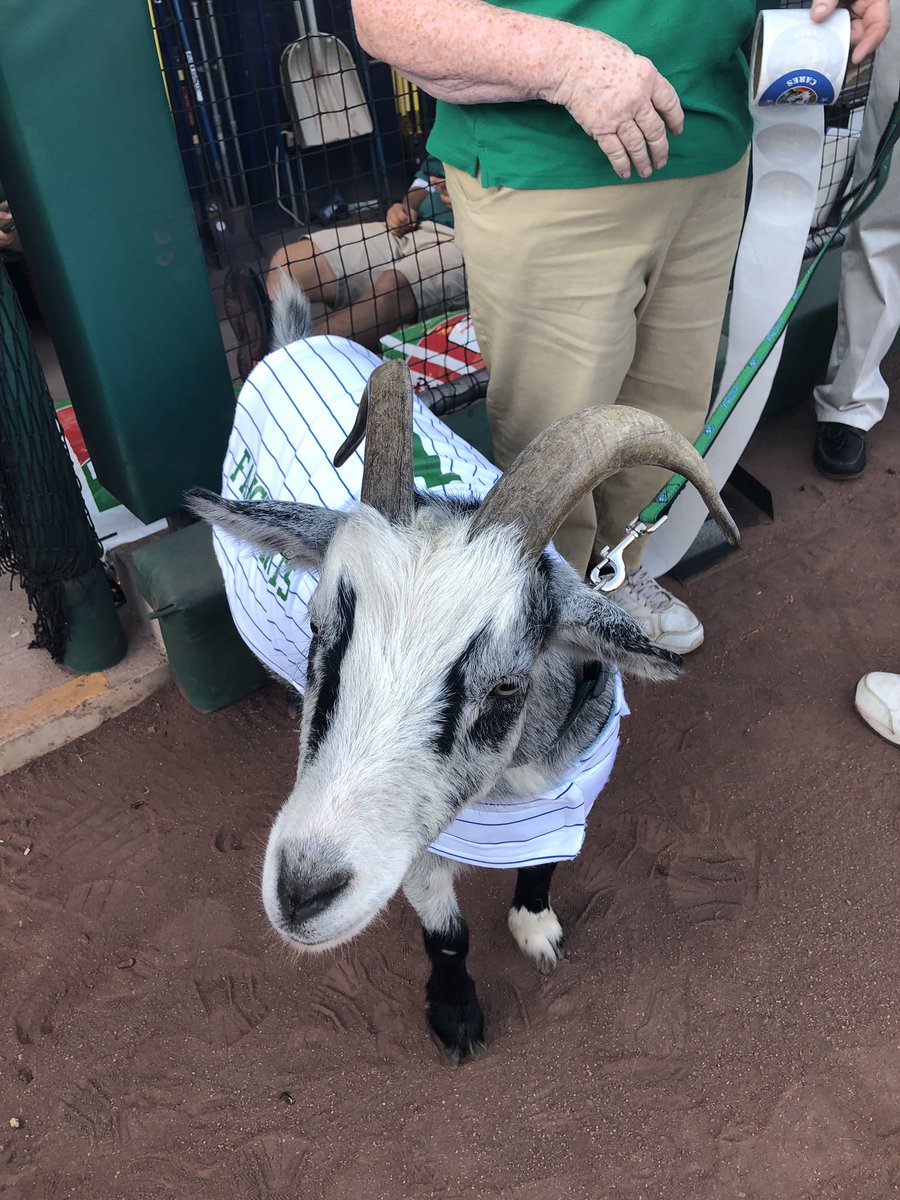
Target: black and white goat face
column 431, row 622
column 414, row 703
column 425, row 644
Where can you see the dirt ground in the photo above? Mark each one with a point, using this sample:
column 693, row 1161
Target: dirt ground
column 727, row 1024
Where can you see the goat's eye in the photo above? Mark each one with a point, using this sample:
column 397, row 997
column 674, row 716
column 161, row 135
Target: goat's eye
column 506, row 688
column 314, row 628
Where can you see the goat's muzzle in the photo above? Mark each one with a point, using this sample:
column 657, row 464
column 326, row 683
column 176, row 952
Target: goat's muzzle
column 304, row 891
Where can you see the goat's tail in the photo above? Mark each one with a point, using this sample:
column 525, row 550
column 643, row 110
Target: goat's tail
column 291, row 313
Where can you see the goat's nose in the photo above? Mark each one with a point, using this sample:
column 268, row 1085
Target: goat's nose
column 300, row 898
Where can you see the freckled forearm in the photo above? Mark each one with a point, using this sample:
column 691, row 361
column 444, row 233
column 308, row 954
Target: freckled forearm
column 469, row 51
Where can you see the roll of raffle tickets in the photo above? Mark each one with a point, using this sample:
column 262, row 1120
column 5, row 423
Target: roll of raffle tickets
column 797, row 66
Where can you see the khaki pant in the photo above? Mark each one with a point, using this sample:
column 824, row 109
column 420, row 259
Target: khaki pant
column 590, row 296
column 428, row 259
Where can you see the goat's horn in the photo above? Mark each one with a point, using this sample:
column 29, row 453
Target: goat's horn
column 384, row 419
column 573, row 456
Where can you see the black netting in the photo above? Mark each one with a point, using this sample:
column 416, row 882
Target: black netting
column 843, row 122
column 289, row 131
column 46, row 537
column 296, row 144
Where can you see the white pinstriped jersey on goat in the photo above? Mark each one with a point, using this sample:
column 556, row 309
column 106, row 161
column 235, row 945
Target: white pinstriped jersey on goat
column 293, row 413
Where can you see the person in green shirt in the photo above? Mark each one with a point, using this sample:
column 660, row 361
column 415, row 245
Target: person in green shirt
column 371, row 277
column 596, row 155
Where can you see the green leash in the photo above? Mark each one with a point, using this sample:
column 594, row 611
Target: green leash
column 609, row 573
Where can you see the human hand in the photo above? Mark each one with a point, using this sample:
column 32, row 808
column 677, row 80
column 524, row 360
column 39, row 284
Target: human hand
column 401, row 219
column 622, row 101
column 869, row 22
column 439, row 183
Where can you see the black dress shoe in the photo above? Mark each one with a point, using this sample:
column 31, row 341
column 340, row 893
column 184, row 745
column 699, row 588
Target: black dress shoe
column 840, row 450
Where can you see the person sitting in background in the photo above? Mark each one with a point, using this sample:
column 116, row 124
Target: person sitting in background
column 878, row 703
column 371, row 278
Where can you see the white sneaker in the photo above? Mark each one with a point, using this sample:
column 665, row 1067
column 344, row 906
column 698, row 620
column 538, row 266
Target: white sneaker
column 667, row 622
column 878, row 703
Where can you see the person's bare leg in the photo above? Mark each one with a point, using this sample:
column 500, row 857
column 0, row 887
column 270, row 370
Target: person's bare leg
column 308, row 268
column 389, row 303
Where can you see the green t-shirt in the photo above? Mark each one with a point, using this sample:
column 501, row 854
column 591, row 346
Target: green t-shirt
column 696, row 45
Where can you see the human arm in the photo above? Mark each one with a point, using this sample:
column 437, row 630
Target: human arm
column 403, row 217
column 869, row 22
column 439, row 183
column 472, row 52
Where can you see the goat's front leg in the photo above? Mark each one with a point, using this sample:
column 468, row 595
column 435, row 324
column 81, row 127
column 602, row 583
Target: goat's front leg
column 532, row 921
column 452, row 1007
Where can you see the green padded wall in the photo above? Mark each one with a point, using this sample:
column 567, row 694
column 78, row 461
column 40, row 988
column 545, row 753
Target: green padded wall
column 180, row 579
column 90, row 165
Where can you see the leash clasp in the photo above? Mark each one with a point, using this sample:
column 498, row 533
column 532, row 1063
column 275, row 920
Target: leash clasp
column 609, row 572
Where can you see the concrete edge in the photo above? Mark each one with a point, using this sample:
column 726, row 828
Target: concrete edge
column 66, row 712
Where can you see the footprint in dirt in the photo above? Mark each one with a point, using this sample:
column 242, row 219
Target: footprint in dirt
column 273, row 1166
column 121, row 840
column 131, row 977
column 39, row 997
column 34, row 1183
column 227, row 839
column 92, row 1113
column 33, row 1023
column 620, row 863
column 96, row 900
column 233, row 1005
column 711, row 877
column 153, row 1111
column 202, row 930
column 174, row 1175
column 836, row 1126
column 652, row 1024
column 369, row 1001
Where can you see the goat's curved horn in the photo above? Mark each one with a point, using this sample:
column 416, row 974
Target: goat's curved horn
column 384, row 419
column 573, row 456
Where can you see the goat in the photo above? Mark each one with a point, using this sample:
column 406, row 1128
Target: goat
column 452, row 658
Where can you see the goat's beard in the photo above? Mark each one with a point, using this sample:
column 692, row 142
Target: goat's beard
column 322, row 945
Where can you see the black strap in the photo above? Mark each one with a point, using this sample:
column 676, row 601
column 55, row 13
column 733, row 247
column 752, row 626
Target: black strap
column 594, row 678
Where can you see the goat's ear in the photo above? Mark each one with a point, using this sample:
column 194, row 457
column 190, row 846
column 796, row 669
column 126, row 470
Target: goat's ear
column 593, row 627
column 301, row 532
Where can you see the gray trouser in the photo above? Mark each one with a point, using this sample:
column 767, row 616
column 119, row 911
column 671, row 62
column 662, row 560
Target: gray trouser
column 869, row 310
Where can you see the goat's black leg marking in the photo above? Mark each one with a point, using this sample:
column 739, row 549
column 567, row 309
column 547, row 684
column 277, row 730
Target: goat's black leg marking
column 532, row 921
column 454, row 1013
column 533, row 887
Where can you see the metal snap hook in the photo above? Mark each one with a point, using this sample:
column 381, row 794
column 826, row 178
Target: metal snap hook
column 609, row 572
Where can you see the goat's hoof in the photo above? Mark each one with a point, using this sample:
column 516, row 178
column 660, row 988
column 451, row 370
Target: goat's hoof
column 456, row 1054
column 458, row 1023
column 540, row 936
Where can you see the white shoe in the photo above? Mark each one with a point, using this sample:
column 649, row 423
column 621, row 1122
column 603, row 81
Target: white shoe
column 878, row 703
column 667, row 622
